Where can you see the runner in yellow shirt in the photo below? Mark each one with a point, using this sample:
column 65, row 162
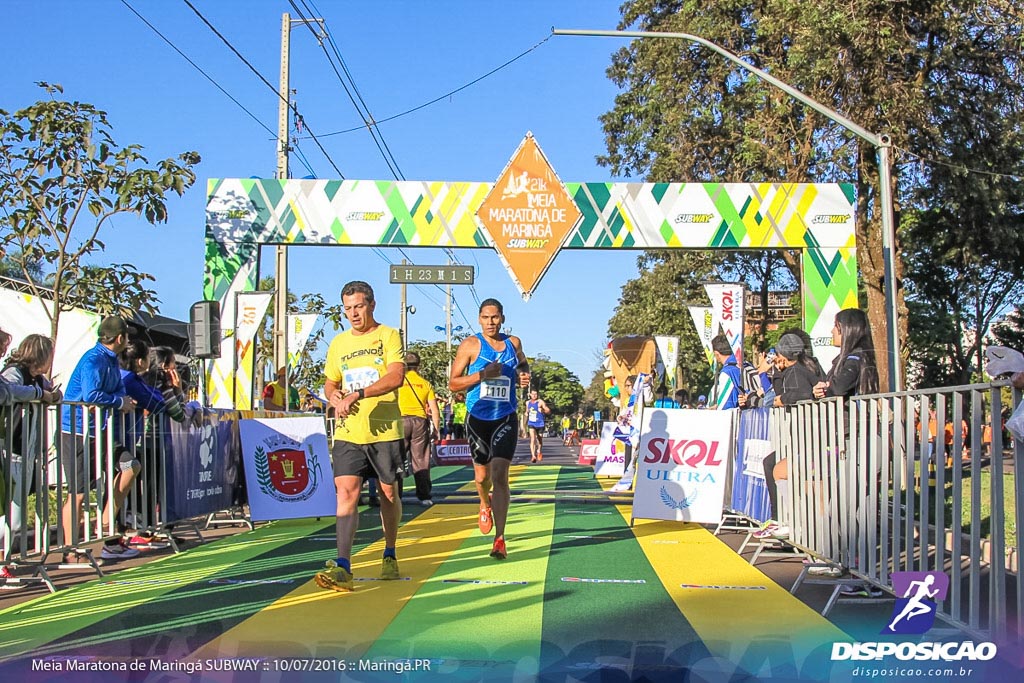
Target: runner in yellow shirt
column 364, row 369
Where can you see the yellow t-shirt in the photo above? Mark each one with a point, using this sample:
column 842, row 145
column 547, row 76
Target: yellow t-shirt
column 356, row 362
column 412, row 400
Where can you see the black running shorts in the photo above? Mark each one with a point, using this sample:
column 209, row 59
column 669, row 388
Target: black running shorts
column 492, row 438
column 381, row 460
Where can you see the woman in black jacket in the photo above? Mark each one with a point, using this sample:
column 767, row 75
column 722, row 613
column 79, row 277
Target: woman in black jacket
column 853, row 371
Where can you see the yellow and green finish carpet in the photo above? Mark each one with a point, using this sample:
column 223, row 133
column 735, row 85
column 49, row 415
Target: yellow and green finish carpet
column 582, row 596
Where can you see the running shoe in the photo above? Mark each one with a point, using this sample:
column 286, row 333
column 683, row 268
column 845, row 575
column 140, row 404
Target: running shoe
column 148, row 543
column 498, row 552
column 862, row 590
column 767, row 529
column 826, row 572
column 540, row 456
column 118, row 551
column 334, row 578
column 8, row 581
column 427, row 503
column 781, row 531
column 389, row 569
column 486, row 520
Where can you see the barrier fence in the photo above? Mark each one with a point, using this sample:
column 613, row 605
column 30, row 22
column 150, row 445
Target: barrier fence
column 910, row 481
column 163, row 475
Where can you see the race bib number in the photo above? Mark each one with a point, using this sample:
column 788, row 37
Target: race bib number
column 359, row 378
column 533, row 414
column 497, row 389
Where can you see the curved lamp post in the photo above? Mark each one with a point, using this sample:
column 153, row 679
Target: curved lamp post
column 883, row 147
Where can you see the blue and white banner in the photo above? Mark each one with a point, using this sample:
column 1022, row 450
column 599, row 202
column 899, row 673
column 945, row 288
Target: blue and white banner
column 682, row 464
column 202, row 464
column 288, row 472
column 749, row 491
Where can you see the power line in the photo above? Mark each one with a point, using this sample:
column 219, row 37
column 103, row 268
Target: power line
column 446, row 95
column 291, row 106
column 363, row 110
column 197, row 67
column 961, row 167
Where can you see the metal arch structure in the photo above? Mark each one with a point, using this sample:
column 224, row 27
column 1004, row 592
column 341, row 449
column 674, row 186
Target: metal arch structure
column 244, row 214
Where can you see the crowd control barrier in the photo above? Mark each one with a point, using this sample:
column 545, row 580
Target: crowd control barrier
column 910, row 481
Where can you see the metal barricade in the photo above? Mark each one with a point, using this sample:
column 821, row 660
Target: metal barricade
column 910, row 481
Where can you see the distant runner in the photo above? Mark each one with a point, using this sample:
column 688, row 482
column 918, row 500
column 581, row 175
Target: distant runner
column 536, row 409
column 493, row 360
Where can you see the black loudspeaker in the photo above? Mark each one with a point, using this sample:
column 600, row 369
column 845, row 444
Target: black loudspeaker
column 204, row 329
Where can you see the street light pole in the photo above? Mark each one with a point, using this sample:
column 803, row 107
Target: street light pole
column 883, row 149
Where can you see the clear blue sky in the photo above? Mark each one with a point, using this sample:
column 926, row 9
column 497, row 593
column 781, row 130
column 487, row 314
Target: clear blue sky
column 401, row 55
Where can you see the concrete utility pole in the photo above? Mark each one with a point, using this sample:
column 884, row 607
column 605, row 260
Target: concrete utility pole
column 404, row 318
column 883, row 148
column 281, row 252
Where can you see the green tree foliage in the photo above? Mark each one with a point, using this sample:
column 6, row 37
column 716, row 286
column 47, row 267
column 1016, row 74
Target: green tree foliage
column 435, row 360
column 62, row 178
column 1010, row 331
column 560, row 388
column 656, row 301
column 906, row 69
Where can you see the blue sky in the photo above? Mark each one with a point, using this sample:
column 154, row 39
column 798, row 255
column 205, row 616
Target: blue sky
column 401, row 55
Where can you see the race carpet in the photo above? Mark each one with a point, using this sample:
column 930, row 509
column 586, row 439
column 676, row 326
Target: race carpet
column 582, row 596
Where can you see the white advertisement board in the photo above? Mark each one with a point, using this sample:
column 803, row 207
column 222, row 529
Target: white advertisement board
column 288, row 473
column 682, row 464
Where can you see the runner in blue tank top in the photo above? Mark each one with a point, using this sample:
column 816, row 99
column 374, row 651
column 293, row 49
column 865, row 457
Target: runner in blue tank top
column 536, row 409
column 488, row 366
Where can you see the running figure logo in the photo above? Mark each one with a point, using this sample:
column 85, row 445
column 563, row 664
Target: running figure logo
column 914, row 612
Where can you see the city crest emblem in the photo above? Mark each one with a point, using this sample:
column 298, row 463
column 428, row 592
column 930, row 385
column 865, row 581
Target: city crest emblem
column 285, row 472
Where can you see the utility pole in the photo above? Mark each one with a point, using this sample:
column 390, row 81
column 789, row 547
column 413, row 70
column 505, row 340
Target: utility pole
column 404, row 318
column 448, row 317
column 281, row 252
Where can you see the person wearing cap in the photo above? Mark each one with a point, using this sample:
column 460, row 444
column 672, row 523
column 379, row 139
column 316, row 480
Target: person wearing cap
column 421, row 420
column 273, row 393
column 96, row 380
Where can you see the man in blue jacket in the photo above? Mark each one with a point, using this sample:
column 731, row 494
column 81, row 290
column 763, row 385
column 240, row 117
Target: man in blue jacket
column 97, row 380
column 730, row 378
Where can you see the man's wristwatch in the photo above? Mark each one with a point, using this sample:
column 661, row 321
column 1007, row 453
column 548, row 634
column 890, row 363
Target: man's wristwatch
column 361, row 393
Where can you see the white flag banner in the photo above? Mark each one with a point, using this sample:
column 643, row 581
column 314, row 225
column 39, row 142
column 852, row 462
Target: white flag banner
column 300, row 326
column 288, row 473
column 727, row 314
column 611, row 458
column 251, row 307
column 682, row 464
column 701, row 316
column 668, row 354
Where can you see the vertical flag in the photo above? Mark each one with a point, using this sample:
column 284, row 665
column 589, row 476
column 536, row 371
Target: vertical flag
column 702, row 317
column 727, row 314
column 299, row 329
column 250, row 307
column 668, row 353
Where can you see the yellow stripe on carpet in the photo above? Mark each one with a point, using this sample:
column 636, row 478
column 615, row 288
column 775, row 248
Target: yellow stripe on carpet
column 311, row 621
column 729, row 602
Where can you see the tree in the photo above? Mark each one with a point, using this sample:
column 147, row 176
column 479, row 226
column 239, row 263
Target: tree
column 656, row 301
column 560, row 388
column 62, row 178
column 687, row 113
column 435, row 360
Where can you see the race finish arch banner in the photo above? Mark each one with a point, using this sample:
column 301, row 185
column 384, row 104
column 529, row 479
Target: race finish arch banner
column 244, row 213
column 288, row 472
column 682, row 464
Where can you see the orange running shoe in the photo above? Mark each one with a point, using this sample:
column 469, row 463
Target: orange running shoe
column 486, row 520
column 498, row 552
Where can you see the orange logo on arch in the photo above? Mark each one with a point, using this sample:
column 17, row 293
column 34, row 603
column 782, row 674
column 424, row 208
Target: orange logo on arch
column 528, row 214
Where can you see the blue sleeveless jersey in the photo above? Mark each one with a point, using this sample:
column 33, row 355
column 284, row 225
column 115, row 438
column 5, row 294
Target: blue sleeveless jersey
column 495, row 398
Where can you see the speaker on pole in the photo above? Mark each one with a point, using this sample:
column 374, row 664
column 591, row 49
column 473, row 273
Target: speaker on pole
column 204, row 329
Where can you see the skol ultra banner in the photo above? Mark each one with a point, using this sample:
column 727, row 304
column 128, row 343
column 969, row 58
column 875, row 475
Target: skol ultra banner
column 288, row 471
column 727, row 314
column 682, row 463
column 702, row 317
